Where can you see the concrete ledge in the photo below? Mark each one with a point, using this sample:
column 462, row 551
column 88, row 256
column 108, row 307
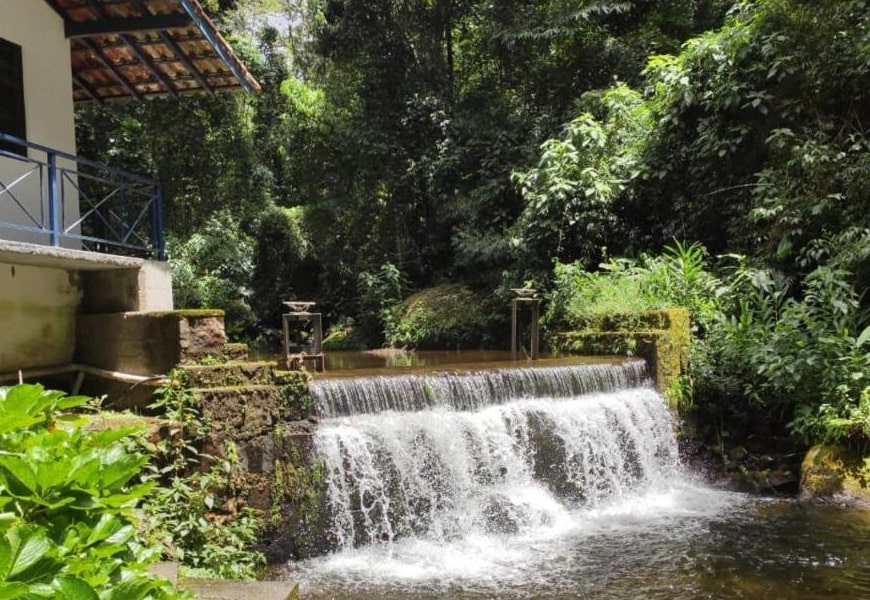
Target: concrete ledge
column 148, row 343
column 63, row 258
column 661, row 337
column 219, row 589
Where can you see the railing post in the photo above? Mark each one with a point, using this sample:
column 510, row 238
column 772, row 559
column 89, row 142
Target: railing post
column 157, row 221
column 54, row 201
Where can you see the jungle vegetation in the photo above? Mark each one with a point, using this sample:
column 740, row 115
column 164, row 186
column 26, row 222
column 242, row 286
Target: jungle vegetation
column 618, row 154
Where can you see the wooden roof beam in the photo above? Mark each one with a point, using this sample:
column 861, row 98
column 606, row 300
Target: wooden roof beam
column 91, row 92
column 186, row 61
column 220, row 46
column 119, row 25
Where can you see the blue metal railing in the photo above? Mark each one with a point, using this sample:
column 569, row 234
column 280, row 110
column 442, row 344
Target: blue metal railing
column 54, row 197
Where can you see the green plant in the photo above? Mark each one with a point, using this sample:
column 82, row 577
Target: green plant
column 67, row 504
column 629, row 288
column 194, row 511
column 379, row 292
column 571, row 195
column 793, row 351
column 213, row 268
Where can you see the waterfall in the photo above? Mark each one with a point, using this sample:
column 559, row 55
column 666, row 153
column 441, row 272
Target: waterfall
column 470, row 391
column 445, row 456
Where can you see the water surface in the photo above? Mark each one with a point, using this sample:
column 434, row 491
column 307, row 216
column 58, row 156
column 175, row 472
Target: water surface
column 552, row 483
column 688, row 542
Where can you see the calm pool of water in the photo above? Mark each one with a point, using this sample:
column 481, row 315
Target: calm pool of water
column 685, row 542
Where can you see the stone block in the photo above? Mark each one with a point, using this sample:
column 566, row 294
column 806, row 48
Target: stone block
column 154, row 287
column 147, row 343
column 662, row 338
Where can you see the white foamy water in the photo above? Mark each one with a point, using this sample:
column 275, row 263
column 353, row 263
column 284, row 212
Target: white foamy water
column 487, row 488
column 507, row 469
column 537, row 556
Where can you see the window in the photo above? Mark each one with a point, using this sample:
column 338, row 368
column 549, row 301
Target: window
column 11, row 95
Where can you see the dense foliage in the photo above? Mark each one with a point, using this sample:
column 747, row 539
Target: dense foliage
column 68, row 498
column 392, row 129
column 764, row 358
column 400, row 146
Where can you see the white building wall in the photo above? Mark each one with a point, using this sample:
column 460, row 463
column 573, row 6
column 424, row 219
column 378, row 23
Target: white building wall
column 38, row 309
column 34, row 26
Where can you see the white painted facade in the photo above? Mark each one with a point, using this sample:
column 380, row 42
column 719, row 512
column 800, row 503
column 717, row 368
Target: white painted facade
column 39, row 31
column 47, row 72
column 43, row 288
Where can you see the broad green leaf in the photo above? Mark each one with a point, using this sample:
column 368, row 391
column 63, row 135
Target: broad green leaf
column 863, row 338
column 32, row 549
column 71, row 588
column 24, row 555
column 19, row 476
column 13, row 589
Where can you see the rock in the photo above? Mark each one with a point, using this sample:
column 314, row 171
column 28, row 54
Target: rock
column 828, row 470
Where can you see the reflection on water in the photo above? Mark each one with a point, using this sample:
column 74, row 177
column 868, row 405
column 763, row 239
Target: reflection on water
column 687, row 542
column 393, row 362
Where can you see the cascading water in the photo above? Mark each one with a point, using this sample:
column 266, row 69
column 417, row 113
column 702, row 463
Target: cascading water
column 444, row 456
column 549, row 483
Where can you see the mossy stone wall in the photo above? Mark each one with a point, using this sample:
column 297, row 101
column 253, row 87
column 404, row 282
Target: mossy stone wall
column 266, row 416
column 661, row 337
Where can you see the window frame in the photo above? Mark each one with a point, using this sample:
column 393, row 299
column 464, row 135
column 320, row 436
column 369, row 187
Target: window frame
column 12, row 96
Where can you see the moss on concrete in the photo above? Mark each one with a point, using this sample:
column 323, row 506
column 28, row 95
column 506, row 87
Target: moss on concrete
column 230, row 373
column 661, row 337
column 267, row 414
column 190, row 313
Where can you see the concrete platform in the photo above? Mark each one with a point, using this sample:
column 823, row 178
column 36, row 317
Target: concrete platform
column 222, row 589
column 216, row 589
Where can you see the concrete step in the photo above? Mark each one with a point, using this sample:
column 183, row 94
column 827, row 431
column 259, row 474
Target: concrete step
column 218, row 589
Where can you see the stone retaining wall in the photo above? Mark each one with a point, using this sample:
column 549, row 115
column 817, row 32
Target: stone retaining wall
column 661, row 337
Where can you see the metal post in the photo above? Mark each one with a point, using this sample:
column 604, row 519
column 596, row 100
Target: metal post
column 317, row 334
column 53, row 201
column 536, row 305
column 159, row 240
column 514, row 303
column 285, row 321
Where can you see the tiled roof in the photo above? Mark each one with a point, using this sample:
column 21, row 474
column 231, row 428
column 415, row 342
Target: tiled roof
column 140, row 48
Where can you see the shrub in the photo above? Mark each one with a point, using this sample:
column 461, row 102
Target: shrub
column 343, row 337
column 213, row 269
column 441, row 317
column 284, row 268
column 67, row 502
column 379, row 292
column 629, row 288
